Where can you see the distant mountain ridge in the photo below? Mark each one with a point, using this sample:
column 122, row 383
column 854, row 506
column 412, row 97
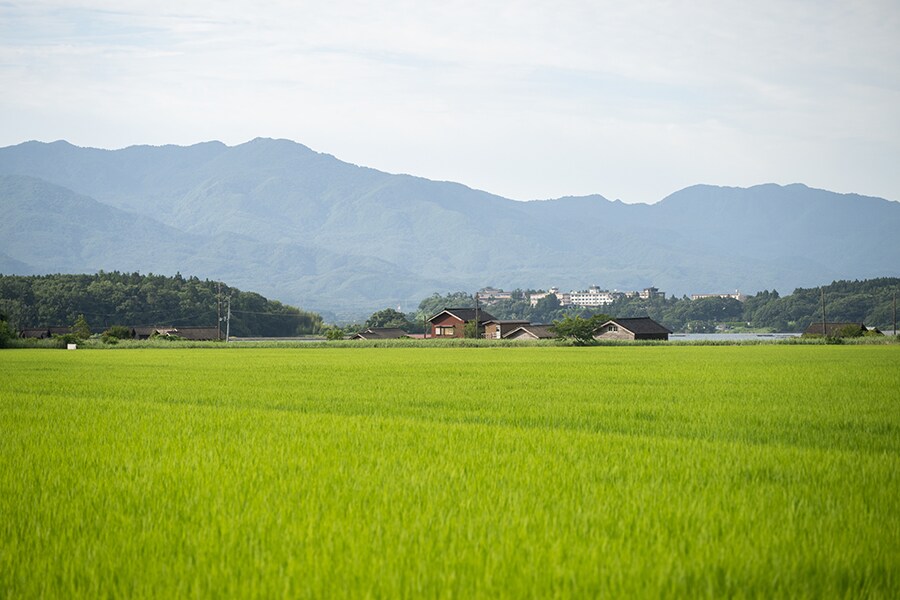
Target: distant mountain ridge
column 311, row 230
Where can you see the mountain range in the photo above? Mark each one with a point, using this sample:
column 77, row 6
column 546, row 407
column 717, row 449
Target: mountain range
column 308, row 229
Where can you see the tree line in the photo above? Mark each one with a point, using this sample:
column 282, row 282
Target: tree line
column 132, row 299
column 867, row 301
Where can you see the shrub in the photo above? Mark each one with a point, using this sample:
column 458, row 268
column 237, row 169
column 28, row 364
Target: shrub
column 116, row 333
column 6, row 334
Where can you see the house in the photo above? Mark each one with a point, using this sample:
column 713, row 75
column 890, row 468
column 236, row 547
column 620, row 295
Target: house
column 196, row 334
column 836, row 329
column 638, row 328
column 379, row 333
column 451, row 322
column 531, row 332
column 192, row 333
column 143, row 333
column 42, row 333
column 495, row 329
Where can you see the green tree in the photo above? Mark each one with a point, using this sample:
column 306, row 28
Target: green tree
column 472, row 330
column 389, row 318
column 334, row 333
column 578, row 328
column 115, row 333
column 81, row 329
column 6, row 332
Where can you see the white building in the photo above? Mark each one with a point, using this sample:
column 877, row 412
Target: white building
column 737, row 295
column 594, row 296
column 564, row 298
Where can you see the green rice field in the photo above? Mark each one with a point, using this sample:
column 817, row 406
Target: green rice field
column 748, row 471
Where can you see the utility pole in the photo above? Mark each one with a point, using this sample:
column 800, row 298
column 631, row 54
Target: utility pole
column 228, row 321
column 824, row 322
column 476, row 315
column 218, row 311
column 895, row 313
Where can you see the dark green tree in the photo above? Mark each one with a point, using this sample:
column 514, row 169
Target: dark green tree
column 578, row 328
column 80, row 329
column 389, row 318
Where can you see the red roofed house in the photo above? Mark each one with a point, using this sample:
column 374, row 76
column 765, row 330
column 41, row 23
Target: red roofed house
column 451, row 322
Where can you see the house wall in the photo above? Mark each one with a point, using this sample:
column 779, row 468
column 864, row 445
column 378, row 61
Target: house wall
column 495, row 331
column 621, row 334
column 448, row 321
column 522, row 335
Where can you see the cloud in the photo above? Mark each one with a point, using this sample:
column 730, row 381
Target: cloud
column 527, row 100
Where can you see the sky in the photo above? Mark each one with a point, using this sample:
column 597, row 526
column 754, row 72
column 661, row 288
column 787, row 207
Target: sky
column 528, row 100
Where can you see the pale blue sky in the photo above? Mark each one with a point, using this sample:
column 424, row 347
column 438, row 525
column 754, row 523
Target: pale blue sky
column 526, row 100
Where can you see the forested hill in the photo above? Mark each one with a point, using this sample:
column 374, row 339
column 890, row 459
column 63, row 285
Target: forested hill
column 132, row 299
column 279, row 218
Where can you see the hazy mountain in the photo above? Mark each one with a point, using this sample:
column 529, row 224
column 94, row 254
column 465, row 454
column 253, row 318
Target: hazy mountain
column 277, row 217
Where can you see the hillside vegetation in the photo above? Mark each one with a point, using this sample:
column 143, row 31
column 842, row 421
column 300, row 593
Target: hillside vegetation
column 132, row 299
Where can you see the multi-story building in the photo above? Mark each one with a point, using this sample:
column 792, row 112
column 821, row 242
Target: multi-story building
column 564, row 298
column 651, row 292
column 594, row 296
column 489, row 295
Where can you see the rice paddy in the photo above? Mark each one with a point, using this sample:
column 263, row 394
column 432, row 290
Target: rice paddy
column 451, row 472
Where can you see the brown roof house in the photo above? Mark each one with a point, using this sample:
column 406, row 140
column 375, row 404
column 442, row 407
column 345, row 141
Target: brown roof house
column 193, row 333
column 43, row 332
column 379, row 333
column 196, row 333
column 531, row 332
column 638, row 328
column 495, row 329
column 451, row 322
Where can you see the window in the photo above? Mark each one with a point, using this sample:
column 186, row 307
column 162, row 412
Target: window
column 444, row 331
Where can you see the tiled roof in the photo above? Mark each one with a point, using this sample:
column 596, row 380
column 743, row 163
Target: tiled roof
column 380, row 333
column 542, row 332
column 639, row 325
column 466, row 314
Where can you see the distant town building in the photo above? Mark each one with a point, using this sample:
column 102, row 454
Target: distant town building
column 737, row 295
column 565, row 299
column 594, row 296
column 489, row 295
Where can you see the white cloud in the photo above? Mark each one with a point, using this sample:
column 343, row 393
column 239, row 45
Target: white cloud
column 629, row 100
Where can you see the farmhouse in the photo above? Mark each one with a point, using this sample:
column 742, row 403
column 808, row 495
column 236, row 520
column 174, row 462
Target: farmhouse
column 639, row 328
column 451, row 322
column 193, row 333
column 196, row 333
column 495, row 329
column 143, row 333
column 43, row 332
column 379, row 333
column 531, row 332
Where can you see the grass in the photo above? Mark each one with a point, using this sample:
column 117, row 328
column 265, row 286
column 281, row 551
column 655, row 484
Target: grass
column 451, row 472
